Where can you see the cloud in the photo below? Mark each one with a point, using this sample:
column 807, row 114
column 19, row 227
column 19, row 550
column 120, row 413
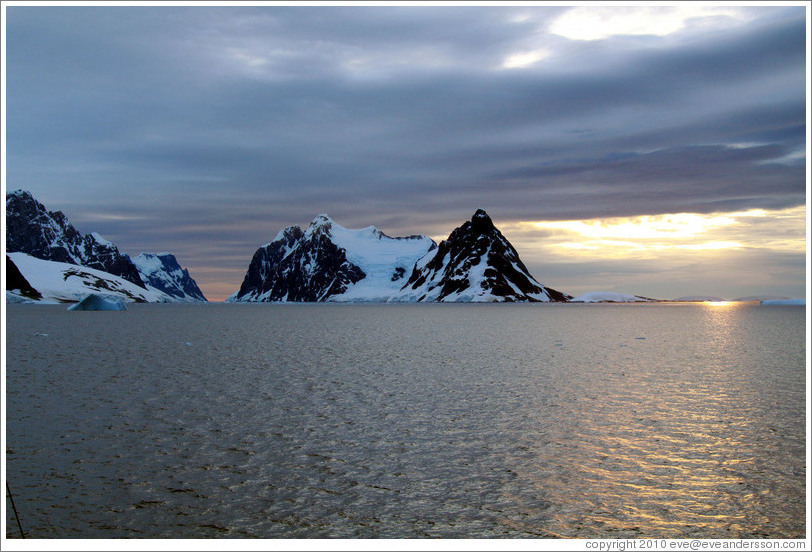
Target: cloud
column 601, row 22
column 408, row 118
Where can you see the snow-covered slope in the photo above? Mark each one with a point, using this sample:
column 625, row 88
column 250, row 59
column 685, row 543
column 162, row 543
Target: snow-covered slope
column 161, row 272
column 385, row 261
column 327, row 262
column 64, row 282
column 475, row 264
column 609, row 297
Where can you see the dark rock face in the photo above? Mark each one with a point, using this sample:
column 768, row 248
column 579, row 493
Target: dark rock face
column 16, row 281
column 299, row 267
column 49, row 235
column 163, row 272
column 456, row 271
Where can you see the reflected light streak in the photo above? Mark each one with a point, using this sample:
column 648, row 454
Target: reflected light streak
column 716, row 304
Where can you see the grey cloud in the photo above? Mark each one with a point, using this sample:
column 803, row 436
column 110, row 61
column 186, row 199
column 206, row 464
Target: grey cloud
column 197, row 116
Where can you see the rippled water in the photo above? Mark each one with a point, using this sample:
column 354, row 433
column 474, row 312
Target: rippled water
column 407, row 421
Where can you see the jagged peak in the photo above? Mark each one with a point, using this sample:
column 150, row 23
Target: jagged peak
column 286, row 233
column 101, row 240
column 481, row 222
column 373, row 232
column 322, row 225
column 162, row 255
column 20, row 193
column 321, row 219
column 24, row 196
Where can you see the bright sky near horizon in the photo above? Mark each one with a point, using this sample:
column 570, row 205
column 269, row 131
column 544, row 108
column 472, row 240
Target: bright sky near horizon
column 658, row 150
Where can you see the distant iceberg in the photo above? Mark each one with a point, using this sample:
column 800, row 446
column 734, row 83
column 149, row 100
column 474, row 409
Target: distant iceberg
column 698, row 299
column 783, row 302
column 609, row 297
column 94, row 302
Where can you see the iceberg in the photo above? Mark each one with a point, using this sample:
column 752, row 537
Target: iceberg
column 95, row 302
column 783, row 302
column 609, row 297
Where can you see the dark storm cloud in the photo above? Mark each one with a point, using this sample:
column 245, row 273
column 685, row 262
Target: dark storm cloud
column 405, row 117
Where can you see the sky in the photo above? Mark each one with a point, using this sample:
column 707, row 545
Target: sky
column 657, row 150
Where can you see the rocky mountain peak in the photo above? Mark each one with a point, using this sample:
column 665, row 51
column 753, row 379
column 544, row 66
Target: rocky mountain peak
column 49, row 235
column 163, row 272
column 476, row 263
column 321, row 224
column 481, row 223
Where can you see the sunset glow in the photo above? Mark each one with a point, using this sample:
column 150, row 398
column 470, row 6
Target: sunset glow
column 690, row 232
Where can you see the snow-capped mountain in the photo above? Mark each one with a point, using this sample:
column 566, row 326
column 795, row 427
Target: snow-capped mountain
column 50, row 236
column 327, row 262
column 65, row 282
column 162, row 272
column 475, row 264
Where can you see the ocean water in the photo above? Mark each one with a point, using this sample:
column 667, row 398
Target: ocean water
column 407, row 421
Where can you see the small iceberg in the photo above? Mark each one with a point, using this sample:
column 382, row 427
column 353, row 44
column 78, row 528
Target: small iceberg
column 609, row 297
column 783, row 302
column 94, row 302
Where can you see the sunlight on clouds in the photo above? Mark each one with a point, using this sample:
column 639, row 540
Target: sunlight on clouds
column 524, row 59
column 665, row 226
column 247, row 58
column 641, row 246
column 712, row 245
column 596, row 23
column 782, row 230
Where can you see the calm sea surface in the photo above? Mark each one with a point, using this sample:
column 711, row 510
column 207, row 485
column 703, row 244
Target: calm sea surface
column 407, row 421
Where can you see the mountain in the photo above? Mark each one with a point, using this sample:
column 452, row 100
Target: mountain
column 327, row 262
column 65, row 282
column 162, row 272
column 50, row 236
column 475, row 264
